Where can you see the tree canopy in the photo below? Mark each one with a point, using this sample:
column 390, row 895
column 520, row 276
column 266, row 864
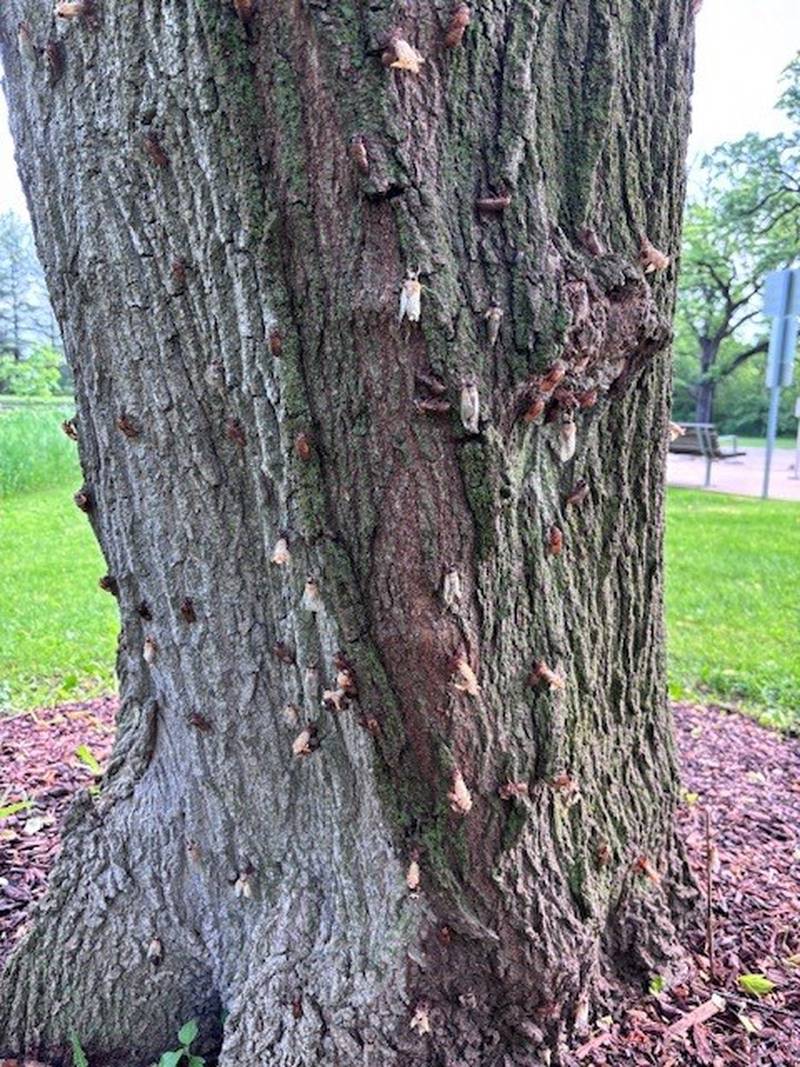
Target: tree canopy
column 743, row 223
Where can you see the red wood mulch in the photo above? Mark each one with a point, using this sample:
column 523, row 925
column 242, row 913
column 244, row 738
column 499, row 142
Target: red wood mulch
column 38, row 763
column 746, row 778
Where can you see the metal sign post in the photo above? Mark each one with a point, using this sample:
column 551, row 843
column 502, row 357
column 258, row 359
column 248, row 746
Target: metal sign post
column 782, row 303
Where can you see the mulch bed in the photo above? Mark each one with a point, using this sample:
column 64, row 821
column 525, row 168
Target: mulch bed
column 38, row 761
column 743, row 778
column 746, row 781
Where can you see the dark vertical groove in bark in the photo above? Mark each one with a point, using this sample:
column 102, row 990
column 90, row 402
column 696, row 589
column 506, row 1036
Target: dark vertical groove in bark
column 532, row 911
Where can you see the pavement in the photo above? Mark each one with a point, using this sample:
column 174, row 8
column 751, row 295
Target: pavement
column 743, row 475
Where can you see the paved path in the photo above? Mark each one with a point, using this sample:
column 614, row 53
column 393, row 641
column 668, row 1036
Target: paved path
column 743, row 475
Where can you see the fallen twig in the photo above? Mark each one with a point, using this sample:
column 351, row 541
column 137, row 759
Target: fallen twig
column 762, row 1006
column 700, row 1014
column 709, row 899
column 593, row 1043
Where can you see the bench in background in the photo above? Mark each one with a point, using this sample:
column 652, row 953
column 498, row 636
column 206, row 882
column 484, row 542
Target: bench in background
column 702, row 439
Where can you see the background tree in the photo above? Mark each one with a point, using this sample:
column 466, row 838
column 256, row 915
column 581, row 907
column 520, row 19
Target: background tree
column 26, row 318
column 394, row 777
column 744, row 224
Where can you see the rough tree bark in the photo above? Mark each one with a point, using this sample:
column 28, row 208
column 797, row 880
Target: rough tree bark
column 226, row 207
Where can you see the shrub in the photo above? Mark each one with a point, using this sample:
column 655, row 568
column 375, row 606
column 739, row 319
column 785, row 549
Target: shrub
column 38, row 374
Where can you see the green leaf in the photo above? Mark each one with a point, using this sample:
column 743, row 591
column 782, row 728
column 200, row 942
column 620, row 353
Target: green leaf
column 87, row 757
column 171, row 1059
column 78, row 1055
column 757, row 985
column 12, row 809
column 657, row 985
column 187, row 1033
column 197, row 1061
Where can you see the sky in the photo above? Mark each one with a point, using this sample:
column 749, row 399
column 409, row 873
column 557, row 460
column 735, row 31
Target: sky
column 742, row 46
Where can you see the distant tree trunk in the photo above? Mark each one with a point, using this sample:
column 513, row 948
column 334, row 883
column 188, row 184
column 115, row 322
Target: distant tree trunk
column 706, row 386
column 20, row 278
column 226, row 214
column 704, row 403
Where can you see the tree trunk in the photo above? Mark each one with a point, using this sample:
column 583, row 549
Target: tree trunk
column 706, row 386
column 227, row 210
column 704, row 404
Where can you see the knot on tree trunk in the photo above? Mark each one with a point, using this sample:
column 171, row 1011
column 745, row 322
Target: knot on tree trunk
column 614, row 329
column 615, row 320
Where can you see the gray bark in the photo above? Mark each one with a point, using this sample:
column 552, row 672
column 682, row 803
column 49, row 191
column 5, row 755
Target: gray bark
column 227, row 279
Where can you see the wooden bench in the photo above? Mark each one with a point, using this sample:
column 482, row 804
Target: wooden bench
column 702, row 439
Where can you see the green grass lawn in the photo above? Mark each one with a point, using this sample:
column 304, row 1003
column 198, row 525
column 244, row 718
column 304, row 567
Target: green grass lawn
column 34, row 451
column 733, row 601
column 761, row 442
column 57, row 628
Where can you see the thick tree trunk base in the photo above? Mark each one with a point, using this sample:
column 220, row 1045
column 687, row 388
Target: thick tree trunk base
column 297, row 989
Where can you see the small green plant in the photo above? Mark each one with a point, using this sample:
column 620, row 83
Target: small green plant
column 88, row 759
column 186, row 1035
column 78, row 1055
column 657, row 985
column 12, row 809
column 756, row 985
